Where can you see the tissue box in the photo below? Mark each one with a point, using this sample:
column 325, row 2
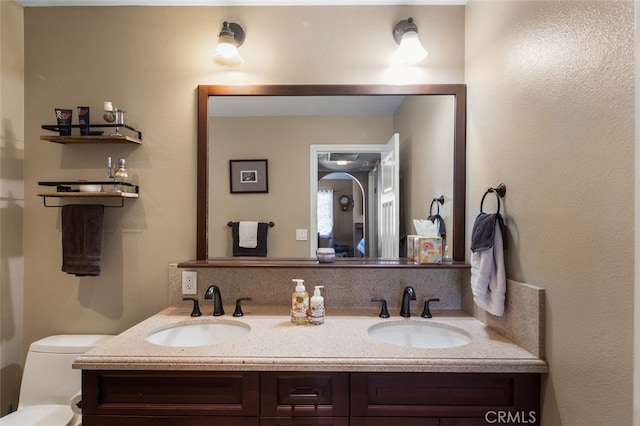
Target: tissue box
column 427, row 250
column 411, row 247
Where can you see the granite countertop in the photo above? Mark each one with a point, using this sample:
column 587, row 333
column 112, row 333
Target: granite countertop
column 340, row 344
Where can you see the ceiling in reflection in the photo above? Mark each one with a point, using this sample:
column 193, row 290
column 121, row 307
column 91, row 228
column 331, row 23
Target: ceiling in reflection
column 257, row 106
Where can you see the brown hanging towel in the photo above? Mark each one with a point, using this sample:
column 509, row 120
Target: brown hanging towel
column 82, row 234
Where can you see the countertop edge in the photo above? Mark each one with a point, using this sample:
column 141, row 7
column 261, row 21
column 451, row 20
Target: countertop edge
column 324, row 364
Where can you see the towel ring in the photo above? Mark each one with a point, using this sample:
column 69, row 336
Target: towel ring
column 438, row 201
column 500, row 191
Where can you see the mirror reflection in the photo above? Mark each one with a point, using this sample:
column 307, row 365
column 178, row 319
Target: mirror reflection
column 316, row 144
column 355, row 220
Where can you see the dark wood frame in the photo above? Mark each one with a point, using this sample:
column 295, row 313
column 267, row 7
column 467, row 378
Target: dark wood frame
column 258, row 187
column 459, row 91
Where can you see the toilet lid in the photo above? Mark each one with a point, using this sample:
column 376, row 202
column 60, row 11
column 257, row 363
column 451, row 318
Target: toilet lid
column 68, row 343
column 50, row 415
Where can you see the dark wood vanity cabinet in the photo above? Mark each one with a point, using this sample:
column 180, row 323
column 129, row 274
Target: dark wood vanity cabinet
column 444, row 399
column 193, row 398
column 190, row 398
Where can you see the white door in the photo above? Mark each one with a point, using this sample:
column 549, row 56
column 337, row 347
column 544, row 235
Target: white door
column 389, row 196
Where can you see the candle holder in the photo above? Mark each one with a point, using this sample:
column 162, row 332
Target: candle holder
column 113, row 115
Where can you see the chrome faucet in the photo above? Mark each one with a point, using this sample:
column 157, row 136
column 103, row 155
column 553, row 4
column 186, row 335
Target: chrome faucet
column 213, row 292
column 408, row 294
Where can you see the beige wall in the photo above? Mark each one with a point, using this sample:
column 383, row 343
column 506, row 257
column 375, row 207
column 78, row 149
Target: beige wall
column 11, row 200
column 636, row 301
column 285, row 142
column 551, row 115
column 425, row 125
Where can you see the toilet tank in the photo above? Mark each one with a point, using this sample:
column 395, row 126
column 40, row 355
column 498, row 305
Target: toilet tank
column 48, row 377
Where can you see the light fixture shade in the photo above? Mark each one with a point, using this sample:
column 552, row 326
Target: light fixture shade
column 230, row 38
column 410, row 50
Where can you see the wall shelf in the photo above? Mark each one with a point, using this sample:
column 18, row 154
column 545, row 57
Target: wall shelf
column 89, row 194
column 65, row 190
column 136, row 138
column 77, row 139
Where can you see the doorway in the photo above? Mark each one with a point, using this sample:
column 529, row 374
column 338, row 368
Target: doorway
column 342, row 212
column 372, row 167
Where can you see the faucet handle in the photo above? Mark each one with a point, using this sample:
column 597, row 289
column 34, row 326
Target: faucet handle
column 426, row 313
column 238, row 312
column 383, row 311
column 196, row 306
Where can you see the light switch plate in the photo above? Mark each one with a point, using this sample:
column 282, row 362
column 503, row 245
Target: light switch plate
column 301, row 235
column 189, row 282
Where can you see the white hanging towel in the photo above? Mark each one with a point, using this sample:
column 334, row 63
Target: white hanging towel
column 248, row 234
column 488, row 277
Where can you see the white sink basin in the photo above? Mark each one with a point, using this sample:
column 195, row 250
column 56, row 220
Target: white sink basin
column 419, row 334
column 199, row 333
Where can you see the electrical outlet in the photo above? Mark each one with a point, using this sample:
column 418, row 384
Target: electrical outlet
column 301, row 235
column 189, row 282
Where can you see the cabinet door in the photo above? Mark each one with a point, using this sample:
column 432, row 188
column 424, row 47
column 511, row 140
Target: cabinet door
column 167, row 421
column 292, row 394
column 305, row 421
column 393, row 421
column 170, row 393
column 529, row 418
column 466, row 422
column 440, row 395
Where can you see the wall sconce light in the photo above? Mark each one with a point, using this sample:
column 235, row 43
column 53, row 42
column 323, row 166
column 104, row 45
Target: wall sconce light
column 410, row 51
column 230, row 38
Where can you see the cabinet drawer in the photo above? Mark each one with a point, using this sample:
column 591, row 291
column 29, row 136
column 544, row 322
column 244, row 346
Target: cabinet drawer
column 164, row 393
column 305, row 421
column 391, row 421
column 441, row 394
column 167, row 421
column 287, row 394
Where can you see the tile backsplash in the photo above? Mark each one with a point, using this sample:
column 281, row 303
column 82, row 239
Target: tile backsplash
column 343, row 287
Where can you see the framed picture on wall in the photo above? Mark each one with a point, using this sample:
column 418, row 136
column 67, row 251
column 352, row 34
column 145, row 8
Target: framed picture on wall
column 248, row 176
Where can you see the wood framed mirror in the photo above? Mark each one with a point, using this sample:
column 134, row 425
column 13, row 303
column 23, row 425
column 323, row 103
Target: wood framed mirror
column 457, row 91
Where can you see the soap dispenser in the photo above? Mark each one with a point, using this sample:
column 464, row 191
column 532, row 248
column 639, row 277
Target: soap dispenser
column 317, row 307
column 299, row 303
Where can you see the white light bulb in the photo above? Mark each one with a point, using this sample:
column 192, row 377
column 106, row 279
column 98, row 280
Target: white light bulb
column 410, row 50
column 227, row 54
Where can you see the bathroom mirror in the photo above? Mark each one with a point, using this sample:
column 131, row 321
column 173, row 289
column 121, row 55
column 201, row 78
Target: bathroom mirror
column 213, row 171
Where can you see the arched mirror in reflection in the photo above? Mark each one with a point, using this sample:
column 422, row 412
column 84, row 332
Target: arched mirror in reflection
column 290, row 172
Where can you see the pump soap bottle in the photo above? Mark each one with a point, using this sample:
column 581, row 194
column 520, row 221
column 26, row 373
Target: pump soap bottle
column 299, row 303
column 317, row 307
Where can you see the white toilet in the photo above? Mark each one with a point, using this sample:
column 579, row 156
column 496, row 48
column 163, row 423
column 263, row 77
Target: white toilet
column 49, row 382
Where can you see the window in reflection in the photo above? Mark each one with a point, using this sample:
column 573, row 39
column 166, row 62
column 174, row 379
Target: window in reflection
column 325, row 213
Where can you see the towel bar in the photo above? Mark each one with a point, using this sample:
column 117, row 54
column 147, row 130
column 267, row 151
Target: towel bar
column 271, row 224
column 44, row 201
